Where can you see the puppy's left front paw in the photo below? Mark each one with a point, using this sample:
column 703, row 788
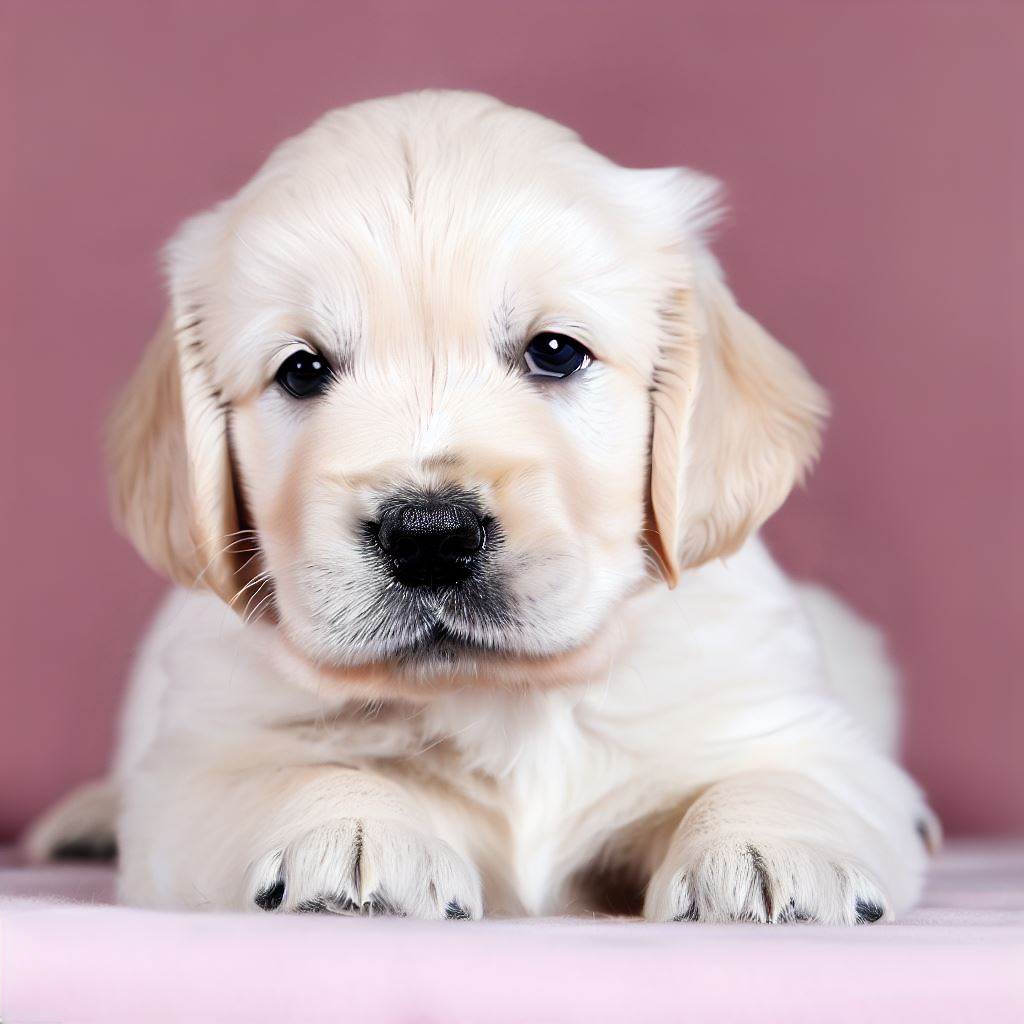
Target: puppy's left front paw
column 761, row 881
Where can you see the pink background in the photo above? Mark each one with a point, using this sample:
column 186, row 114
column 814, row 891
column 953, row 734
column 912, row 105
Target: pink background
column 873, row 159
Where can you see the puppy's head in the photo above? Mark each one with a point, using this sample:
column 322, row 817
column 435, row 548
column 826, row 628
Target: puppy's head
column 435, row 385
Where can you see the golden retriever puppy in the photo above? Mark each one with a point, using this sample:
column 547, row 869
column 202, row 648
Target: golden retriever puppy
column 457, row 443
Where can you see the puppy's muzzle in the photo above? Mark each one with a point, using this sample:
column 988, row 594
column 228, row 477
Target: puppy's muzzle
column 430, row 542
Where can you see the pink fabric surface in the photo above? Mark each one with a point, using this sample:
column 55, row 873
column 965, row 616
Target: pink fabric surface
column 872, row 154
column 958, row 957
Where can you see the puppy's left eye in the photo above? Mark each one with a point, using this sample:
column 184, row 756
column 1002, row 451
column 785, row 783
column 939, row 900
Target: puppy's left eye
column 304, row 374
column 555, row 355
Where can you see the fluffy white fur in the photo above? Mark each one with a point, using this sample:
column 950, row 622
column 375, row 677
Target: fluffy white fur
column 722, row 750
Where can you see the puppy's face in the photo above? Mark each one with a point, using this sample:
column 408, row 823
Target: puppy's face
column 436, row 341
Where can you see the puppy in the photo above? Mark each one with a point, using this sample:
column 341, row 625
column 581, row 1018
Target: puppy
column 457, row 443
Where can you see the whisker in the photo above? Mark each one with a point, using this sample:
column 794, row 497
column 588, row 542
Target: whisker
column 253, row 597
column 259, row 578
column 239, row 538
column 256, row 612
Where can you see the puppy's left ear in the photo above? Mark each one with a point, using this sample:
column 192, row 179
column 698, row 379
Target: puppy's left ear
column 737, row 422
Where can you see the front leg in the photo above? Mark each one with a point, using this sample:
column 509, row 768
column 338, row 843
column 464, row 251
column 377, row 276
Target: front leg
column 321, row 838
column 780, row 846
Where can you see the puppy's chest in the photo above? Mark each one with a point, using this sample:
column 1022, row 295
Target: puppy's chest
column 538, row 788
column 558, row 789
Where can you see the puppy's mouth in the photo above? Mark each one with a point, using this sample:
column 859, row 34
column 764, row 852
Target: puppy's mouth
column 442, row 632
column 438, row 642
column 439, row 657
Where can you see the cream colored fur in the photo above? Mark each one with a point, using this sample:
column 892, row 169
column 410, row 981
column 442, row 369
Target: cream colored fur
column 723, row 749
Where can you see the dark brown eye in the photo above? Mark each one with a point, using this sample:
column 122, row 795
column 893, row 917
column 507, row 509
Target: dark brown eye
column 555, row 355
column 304, row 374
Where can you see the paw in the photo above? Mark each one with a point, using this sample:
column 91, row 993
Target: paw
column 79, row 827
column 929, row 829
column 769, row 882
column 366, row 866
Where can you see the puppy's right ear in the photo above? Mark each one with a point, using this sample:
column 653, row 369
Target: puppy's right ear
column 170, row 467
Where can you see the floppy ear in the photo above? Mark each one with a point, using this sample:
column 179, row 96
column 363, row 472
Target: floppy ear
column 171, row 479
column 737, row 421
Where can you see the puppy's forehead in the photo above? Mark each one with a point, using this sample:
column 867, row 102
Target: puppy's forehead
column 448, row 220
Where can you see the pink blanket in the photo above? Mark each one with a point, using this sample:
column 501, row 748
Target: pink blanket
column 68, row 954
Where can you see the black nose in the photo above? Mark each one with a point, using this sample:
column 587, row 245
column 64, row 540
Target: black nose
column 431, row 543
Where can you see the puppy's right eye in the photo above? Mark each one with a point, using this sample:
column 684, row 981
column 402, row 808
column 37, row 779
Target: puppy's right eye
column 304, row 374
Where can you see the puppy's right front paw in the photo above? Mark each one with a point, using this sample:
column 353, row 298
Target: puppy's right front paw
column 366, row 866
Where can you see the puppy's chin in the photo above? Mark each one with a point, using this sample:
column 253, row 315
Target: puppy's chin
column 442, row 663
